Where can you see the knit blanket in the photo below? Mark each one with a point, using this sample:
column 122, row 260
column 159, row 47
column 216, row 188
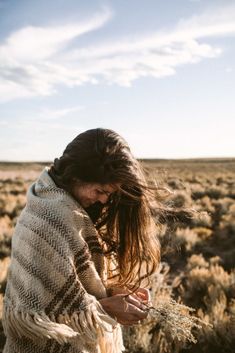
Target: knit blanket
column 55, row 279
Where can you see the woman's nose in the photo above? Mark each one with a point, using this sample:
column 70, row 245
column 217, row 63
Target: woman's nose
column 103, row 198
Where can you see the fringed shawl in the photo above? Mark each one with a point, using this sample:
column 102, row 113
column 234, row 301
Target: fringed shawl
column 56, row 278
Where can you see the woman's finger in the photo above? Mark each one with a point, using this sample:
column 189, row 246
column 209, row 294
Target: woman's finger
column 144, row 294
column 136, row 313
column 134, row 301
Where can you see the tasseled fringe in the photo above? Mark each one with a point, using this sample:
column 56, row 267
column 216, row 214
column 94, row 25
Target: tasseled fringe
column 35, row 326
column 97, row 326
column 90, row 324
column 111, row 343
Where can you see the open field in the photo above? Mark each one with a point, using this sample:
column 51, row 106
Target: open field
column 198, row 256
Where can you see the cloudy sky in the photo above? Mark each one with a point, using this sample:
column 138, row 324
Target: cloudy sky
column 161, row 73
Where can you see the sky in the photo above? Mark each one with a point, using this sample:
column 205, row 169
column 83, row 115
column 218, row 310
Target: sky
column 160, row 73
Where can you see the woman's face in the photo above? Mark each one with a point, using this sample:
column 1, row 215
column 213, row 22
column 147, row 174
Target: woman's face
column 89, row 193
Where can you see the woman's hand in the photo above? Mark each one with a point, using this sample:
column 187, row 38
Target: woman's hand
column 144, row 295
column 127, row 309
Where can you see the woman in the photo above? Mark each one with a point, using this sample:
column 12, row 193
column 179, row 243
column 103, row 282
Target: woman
column 82, row 248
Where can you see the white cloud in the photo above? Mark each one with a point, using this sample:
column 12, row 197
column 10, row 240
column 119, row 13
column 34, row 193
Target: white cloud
column 212, row 23
column 28, row 58
column 53, row 114
column 34, row 61
column 36, row 43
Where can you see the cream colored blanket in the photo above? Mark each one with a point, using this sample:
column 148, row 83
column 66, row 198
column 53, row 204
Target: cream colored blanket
column 55, row 279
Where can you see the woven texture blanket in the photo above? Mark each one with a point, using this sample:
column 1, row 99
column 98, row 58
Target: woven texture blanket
column 55, row 279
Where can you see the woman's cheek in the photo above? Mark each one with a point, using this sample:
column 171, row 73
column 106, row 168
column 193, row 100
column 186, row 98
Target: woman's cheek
column 93, row 196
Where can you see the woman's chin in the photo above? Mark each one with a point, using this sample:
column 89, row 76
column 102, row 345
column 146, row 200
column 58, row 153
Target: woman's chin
column 86, row 204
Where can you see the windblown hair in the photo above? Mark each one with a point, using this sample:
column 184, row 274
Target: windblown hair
column 125, row 223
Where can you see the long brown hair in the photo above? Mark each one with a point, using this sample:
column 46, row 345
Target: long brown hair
column 125, row 223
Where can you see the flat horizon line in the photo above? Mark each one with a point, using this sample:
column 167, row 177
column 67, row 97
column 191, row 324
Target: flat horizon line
column 152, row 159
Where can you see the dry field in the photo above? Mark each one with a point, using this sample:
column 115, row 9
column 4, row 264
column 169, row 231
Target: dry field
column 198, row 256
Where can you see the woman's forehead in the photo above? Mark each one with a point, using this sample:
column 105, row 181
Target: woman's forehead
column 107, row 187
column 110, row 187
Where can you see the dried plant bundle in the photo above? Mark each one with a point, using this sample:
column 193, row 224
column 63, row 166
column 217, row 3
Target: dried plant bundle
column 175, row 317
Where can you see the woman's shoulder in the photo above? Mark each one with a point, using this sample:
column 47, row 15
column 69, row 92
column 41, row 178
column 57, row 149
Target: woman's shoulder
column 45, row 191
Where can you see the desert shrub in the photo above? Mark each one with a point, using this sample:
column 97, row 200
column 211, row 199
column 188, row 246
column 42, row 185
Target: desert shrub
column 5, row 227
column 5, row 247
column 5, row 236
column 181, row 199
column 203, row 232
column 195, row 179
column 209, row 288
column 231, row 193
column 205, row 204
column 219, row 312
column 222, row 244
column 228, row 220
column 203, row 219
column 220, row 180
column 12, row 205
column 223, row 205
column 212, row 191
column 216, row 192
column 196, row 261
column 14, row 187
column 201, row 278
column 187, row 238
column 175, row 184
column 197, row 191
column 4, row 264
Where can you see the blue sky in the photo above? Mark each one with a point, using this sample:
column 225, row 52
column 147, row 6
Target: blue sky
column 161, row 73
